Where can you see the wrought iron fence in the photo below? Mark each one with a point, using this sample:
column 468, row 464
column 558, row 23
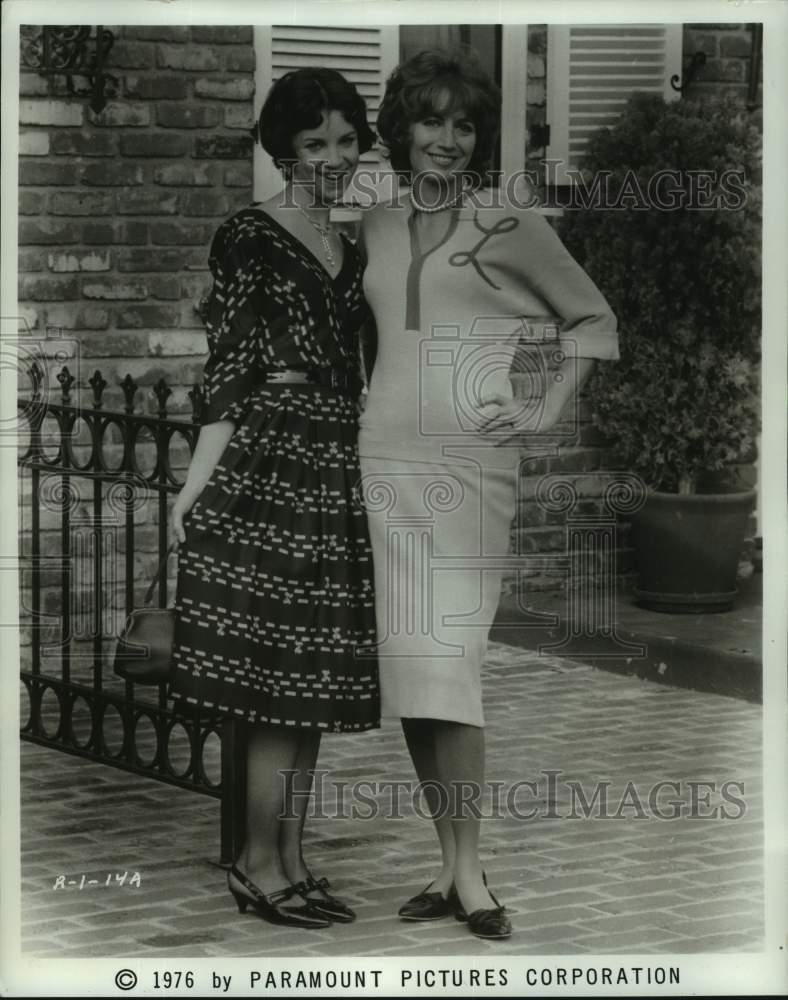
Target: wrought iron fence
column 94, row 486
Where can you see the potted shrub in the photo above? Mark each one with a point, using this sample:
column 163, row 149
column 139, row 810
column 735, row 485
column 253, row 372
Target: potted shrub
column 672, row 236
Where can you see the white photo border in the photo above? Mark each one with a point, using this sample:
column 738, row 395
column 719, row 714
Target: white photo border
column 721, row 974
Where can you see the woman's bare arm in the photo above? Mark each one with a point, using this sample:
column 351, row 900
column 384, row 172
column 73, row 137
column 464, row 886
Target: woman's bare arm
column 210, row 447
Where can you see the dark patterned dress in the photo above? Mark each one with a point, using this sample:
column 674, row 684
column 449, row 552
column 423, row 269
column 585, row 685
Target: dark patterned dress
column 275, row 612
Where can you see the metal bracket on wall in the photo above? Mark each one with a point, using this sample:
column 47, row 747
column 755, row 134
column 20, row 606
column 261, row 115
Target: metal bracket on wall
column 697, row 60
column 70, row 50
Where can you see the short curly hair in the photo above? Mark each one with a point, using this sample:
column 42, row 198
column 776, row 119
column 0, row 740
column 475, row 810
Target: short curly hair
column 298, row 100
column 439, row 80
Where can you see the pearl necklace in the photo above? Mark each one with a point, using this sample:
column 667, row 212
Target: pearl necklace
column 325, row 232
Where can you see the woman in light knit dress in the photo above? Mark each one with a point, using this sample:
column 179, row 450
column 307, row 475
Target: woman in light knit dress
column 454, row 274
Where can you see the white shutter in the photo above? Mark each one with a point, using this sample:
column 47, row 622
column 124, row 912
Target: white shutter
column 365, row 56
column 591, row 72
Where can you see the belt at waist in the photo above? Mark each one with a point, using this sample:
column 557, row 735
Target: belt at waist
column 332, row 378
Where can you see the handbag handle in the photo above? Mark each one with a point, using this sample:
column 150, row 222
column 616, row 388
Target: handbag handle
column 162, row 563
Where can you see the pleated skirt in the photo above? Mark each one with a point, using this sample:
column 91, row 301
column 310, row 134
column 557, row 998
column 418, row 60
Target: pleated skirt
column 274, row 603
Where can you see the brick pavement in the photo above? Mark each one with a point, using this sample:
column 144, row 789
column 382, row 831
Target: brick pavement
column 628, row 883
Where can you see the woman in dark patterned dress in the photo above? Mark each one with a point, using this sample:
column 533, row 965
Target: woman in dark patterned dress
column 275, row 608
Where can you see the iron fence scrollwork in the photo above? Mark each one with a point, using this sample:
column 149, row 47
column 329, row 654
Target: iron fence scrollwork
column 94, row 490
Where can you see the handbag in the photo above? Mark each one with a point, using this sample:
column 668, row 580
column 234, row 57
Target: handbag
column 144, row 650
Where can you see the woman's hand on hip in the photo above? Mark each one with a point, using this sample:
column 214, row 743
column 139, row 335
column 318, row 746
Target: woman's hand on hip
column 505, row 417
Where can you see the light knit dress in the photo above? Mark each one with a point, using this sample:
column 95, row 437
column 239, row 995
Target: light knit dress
column 440, row 496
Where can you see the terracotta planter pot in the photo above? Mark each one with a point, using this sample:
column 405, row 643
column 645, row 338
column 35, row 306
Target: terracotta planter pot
column 687, row 550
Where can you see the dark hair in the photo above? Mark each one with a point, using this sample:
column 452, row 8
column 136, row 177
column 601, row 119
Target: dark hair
column 419, row 87
column 298, row 100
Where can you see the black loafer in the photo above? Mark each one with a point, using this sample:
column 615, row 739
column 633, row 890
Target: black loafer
column 492, row 923
column 489, row 923
column 327, row 905
column 426, row 906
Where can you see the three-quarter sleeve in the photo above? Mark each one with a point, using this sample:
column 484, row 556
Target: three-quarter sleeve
column 583, row 314
column 232, row 322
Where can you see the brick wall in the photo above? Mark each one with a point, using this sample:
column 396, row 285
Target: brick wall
column 536, row 96
column 116, row 214
column 117, row 209
column 728, row 51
